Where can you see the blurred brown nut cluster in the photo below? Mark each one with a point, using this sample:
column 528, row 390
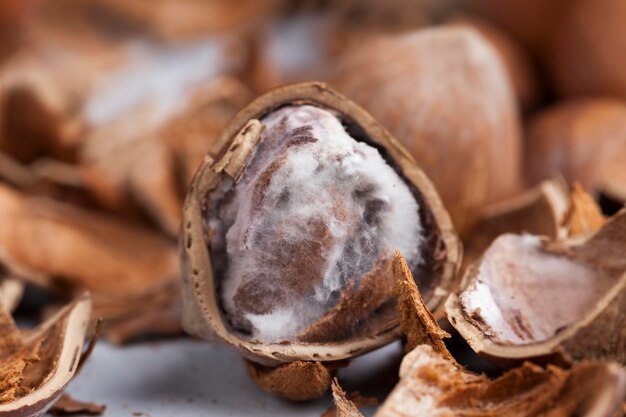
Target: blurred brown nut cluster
column 515, row 110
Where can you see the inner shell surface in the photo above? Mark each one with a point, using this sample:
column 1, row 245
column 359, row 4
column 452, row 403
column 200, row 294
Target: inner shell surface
column 314, row 211
column 524, row 294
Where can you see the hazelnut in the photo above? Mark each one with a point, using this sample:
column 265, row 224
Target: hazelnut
column 587, row 54
column 584, row 140
column 444, row 93
column 288, row 236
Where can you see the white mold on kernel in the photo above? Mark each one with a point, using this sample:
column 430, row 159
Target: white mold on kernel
column 314, row 210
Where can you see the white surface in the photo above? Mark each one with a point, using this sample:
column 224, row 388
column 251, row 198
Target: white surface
column 184, row 378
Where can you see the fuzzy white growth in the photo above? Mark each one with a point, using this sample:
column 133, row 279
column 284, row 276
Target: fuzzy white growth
column 156, row 76
column 330, row 196
column 523, row 294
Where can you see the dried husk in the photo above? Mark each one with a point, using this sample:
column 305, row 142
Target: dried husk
column 582, row 139
column 296, row 381
column 464, row 122
column 35, row 366
column 202, row 314
column 128, row 269
column 598, row 334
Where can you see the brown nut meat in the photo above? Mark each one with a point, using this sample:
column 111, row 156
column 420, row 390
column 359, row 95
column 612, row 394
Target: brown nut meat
column 359, row 314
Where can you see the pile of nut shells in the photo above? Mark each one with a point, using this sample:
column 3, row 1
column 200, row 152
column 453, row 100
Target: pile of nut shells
column 308, row 181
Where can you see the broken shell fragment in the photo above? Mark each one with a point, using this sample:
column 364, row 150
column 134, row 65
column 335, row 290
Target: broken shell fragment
column 540, row 299
column 550, row 209
column 431, row 385
column 11, row 290
column 288, row 236
column 129, row 270
column 35, row 366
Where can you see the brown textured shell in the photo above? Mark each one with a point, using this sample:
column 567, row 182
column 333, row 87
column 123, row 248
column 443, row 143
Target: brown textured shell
column 54, row 351
column 444, row 94
column 582, row 139
column 587, row 55
column 202, row 316
column 599, row 334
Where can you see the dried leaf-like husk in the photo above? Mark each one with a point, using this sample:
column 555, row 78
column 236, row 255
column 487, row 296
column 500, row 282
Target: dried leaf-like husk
column 584, row 140
column 466, row 122
column 296, row 381
column 128, row 269
column 36, row 366
column 202, row 315
column 431, row 385
column 599, row 334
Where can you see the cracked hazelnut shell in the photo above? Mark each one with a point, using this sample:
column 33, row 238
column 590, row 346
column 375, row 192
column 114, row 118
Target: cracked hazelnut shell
column 203, row 315
column 535, row 298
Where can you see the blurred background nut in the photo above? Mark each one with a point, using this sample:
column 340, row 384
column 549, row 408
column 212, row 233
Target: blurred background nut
column 444, row 93
column 582, row 139
column 587, row 54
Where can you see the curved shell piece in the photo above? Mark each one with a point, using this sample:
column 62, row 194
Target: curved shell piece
column 573, row 293
column 202, row 313
column 56, row 348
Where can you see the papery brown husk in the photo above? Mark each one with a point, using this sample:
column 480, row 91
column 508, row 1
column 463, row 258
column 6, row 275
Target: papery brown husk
column 447, row 123
column 599, row 334
column 36, row 365
column 296, row 381
column 202, row 313
column 130, row 270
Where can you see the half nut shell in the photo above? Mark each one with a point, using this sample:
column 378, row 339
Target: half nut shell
column 203, row 314
column 535, row 298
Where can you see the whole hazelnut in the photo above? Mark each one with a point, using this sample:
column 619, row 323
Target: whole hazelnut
column 584, row 140
column 588, row 53
column 444, row 93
